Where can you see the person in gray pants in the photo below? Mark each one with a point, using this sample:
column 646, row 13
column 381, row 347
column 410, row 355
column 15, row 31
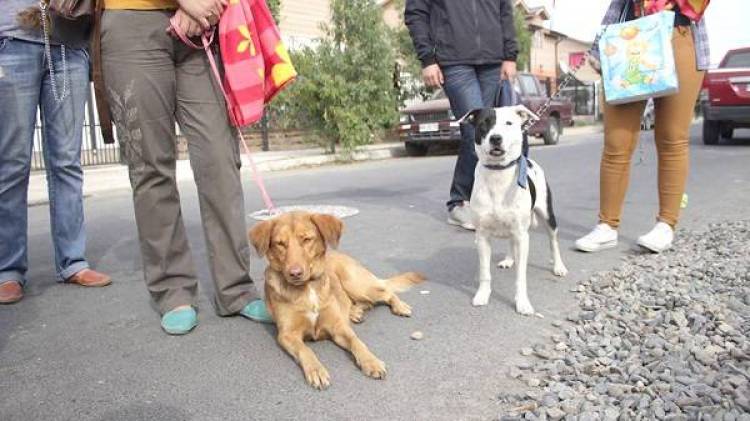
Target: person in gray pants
column 152, row 80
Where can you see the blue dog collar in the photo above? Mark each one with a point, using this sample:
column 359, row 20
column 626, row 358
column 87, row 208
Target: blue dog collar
column 523, row 170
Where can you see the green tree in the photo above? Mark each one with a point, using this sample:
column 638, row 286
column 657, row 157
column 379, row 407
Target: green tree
column 410, row 69
column 345, row 91
column 275, row 7
column 523, row 36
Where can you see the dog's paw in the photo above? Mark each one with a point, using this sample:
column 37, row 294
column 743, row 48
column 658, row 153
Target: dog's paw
column 523, row 306
column 374, row 368
column 482, row 297
column 357, row 314
column 560, row 269
column 506, row 263
column 318, row 377
column 401, row 309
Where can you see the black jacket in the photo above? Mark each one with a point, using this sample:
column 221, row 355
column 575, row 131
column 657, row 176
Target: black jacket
column 471, row 32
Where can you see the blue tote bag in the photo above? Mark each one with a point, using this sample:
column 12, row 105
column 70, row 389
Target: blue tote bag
column 637, row 59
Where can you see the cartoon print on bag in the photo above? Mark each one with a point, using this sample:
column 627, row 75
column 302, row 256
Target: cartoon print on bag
column 639, row 71
column 125, row 116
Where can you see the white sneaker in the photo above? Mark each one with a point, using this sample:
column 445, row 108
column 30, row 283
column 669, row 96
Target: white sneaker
column 461, row 216
column 602, row 237
column 658, row 239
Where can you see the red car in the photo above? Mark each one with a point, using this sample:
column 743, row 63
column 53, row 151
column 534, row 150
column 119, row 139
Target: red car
column 432, row 121
column 726, row 97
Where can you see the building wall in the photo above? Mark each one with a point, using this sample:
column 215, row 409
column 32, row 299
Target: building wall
column 542, row 61
column 301, row 20
column 549, row 48
column 570, row 47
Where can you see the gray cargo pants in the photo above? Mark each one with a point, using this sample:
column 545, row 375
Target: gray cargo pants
column 153, row 79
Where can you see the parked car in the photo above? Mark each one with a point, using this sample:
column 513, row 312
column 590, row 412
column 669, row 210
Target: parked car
column 725, row 97
column 432, row 122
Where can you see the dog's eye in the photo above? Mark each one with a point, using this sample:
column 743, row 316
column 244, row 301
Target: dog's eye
column 279, row 244
column 307, row 240
column 508, row 123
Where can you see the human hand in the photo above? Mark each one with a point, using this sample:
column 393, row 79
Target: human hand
column 204, row 12
column 189, row 26
column 508, row 70
column 433, row 76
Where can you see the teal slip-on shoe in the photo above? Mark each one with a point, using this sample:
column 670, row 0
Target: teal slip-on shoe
column 256, row 310
column 180, row 321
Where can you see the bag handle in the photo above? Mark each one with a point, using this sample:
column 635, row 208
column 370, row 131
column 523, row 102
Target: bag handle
column 102, row 103
column 625, row 11
column 506, row 95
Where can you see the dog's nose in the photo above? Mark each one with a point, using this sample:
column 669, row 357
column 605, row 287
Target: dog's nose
column 295, row 272
column 496, row 140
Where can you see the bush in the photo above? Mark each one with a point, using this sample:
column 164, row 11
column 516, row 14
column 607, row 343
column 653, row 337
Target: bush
column 345, row 91
column 275, row 7
column 523, row 37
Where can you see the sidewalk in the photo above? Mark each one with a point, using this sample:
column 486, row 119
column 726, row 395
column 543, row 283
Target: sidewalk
column 114, row 177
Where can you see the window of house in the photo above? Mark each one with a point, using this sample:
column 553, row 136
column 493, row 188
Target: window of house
column 575, row 59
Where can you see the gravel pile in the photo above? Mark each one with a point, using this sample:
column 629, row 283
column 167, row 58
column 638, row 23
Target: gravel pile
column 662, row 337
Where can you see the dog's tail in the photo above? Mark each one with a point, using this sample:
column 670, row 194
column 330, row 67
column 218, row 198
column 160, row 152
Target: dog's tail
column 404, row 281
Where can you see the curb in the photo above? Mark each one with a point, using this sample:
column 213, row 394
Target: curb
column 115, row 177
column 368, row 153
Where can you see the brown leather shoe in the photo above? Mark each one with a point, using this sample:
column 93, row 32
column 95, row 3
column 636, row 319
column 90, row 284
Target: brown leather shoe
column 10, row 292
column 90, row 278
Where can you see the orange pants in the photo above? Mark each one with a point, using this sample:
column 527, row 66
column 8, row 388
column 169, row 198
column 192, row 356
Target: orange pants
column 622, row 125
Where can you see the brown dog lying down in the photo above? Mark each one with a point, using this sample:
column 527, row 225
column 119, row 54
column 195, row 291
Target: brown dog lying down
column 313, row 292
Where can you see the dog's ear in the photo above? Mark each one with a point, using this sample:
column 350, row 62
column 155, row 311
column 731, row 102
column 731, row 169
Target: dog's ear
column 525, row 113
column 471, row 117
column 260, row 236
column 329, row 227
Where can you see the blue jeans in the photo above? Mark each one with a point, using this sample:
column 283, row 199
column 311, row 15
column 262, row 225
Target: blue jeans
column 467, row 88
column 25, row 86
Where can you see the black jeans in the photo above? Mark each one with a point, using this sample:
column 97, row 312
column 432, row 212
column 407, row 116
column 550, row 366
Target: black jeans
column 467, row 88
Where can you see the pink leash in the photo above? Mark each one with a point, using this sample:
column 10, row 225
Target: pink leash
column 207, row 39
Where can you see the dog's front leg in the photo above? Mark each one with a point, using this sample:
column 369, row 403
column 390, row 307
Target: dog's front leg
column 558, row 268
column 521, row 249
column 484, row 250
column 344, row 336
column 315, row 374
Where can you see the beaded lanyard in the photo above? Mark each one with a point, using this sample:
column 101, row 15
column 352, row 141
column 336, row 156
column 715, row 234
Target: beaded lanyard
column 59, row 97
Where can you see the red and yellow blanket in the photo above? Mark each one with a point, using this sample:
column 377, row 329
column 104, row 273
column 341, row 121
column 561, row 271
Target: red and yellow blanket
column 256, row 62
column 693, row 9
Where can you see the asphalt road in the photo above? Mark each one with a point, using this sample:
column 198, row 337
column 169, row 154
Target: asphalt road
column 69, row 353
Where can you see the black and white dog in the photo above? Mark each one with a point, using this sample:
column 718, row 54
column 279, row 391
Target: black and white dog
column 510, row 193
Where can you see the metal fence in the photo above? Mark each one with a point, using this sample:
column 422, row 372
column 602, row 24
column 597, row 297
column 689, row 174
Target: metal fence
column 584, row 97
column 93, row 149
